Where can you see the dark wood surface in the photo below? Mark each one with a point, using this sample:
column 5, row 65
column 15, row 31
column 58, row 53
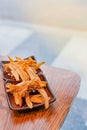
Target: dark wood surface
column 65, row 86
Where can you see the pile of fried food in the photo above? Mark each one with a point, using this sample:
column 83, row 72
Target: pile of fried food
column 25, row 71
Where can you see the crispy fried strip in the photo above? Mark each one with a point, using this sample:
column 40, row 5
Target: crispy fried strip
column 14, row 72
column 44, row 94
column 37, row 98
column 30, row 61
column 16, row 75
column 17, row 98
column 18, row 58
column 13, row 88
column 32, row 74
column 10, row 59
column 36, row 66
column 22, row 74
column 28, row 101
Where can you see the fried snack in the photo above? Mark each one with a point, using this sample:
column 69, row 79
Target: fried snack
column 45, row 96
column 17, row 98
column 26, row 85
column 25, row 71
column 37, row 98
column 28, row 101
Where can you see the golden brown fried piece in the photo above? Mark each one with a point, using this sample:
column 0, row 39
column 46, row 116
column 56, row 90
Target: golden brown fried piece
column 45, row 96
column 26, row 70
column 28, row 101
column 37, row 98
column 36, row 66
column 25, row 86
column 17, row 98
column 14, row 88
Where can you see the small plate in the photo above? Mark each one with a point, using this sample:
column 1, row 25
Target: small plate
column 10, row 98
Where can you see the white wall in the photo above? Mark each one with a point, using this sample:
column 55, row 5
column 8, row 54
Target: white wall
column 63, row 13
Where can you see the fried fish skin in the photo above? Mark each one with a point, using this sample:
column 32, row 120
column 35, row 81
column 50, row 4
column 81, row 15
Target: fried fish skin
column 37, row 98
column 28, row 101
column 17, row 98
column 44, row 94
column 26, row 70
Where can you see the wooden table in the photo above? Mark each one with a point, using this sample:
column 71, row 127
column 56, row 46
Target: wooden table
column 65, row 86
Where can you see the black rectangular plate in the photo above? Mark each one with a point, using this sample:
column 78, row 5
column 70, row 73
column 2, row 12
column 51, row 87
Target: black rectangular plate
column 10, row 98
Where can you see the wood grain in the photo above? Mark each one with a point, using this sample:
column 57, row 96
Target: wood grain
column 65, row 86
